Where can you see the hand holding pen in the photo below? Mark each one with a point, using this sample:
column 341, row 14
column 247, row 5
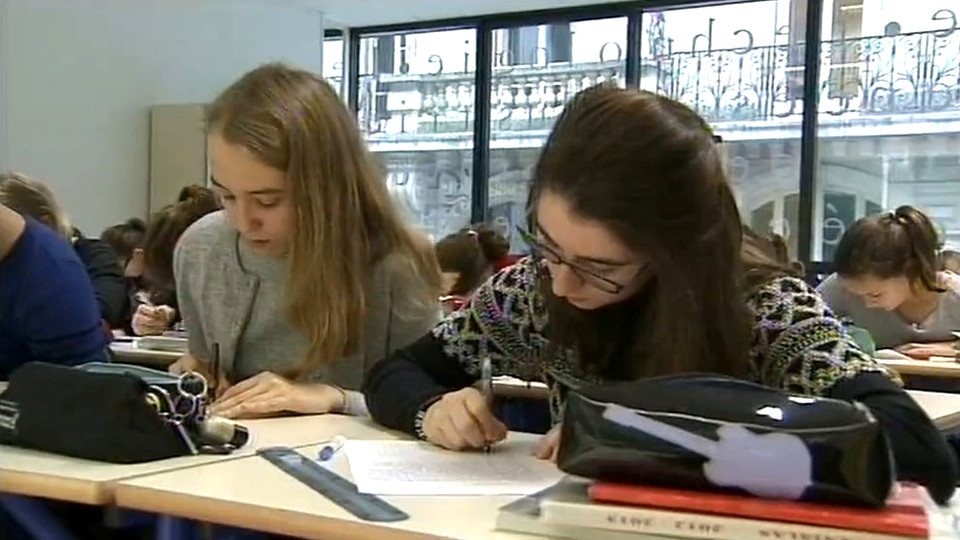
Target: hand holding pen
column 464, row 419
column 219, row 382
column 210, row 368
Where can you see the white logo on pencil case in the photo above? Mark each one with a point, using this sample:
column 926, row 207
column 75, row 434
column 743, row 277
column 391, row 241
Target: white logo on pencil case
column 774, row 465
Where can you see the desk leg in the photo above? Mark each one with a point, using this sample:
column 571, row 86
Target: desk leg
column 35, row 518
column 174, row 528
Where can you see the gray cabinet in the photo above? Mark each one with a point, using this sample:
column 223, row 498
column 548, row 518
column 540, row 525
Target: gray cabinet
column 178, row 152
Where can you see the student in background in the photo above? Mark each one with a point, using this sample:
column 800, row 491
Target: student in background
column 637, row 275
column 34, row 199
column 467, row 258
column 47, row 308
column 159, row 311
column 126, row 239
column 887, row 282
column 950, row 261
column 309, row 275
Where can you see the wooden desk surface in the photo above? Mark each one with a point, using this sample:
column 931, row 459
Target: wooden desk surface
column 130, row 351
column 923, row 367
column 254, row 494
column 942, row 407
column 29, row 472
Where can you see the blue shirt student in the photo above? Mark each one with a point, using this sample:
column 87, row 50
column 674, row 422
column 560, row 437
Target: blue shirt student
column 48, row 311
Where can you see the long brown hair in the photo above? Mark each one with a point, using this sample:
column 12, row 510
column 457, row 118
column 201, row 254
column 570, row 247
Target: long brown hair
column 34, row 199
column 903, row 242
column 648, row 168
column 295, row 122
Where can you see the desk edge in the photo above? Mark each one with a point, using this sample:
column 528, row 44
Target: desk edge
column 252, row 516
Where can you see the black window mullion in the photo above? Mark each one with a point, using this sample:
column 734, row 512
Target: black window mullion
column 480, row 178
column 352, row 71
column 634, row 44
column 808, row 129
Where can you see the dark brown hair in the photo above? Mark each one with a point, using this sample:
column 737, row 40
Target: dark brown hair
column 193, row 191
column 766, row 255
column 901, row 243
column 471, row 252
column 648, row 168
column 165, row 228
column 125, row 237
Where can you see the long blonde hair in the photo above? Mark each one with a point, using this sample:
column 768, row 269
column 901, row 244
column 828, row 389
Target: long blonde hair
column 295, row 122
column 34, row 199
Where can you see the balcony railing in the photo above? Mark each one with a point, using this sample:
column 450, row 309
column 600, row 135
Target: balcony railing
column 904, row 74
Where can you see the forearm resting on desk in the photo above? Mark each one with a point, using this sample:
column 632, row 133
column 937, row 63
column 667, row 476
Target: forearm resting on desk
column 398, row 387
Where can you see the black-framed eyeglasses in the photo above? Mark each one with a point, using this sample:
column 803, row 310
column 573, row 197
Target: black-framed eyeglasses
column 540, row 251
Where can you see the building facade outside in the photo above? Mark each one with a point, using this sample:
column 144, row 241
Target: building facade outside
column 889, row 107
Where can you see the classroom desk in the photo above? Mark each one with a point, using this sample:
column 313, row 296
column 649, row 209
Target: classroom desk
column 942, row 407
column 253, row 494
column 131, row 352
column 39, row 474
column 923, row 367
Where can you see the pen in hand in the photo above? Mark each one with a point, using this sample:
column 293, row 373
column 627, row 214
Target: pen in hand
column 486, row 386
column 215, row 368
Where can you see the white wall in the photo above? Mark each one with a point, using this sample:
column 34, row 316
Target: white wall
column 77, row 78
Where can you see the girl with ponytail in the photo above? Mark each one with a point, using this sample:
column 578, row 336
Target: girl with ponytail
column 467, row 258
column 887, row 282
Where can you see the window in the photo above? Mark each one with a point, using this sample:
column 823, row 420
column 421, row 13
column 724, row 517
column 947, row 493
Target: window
column 536, row 69
column 889, row 122
column 741, row 67
column 333, row 61
column 416, row 107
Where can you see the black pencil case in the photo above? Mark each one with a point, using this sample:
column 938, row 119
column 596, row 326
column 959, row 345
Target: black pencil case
column 101, row 412
column 709, row 432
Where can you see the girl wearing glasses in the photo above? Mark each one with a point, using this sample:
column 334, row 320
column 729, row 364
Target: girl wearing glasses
column 639, row 268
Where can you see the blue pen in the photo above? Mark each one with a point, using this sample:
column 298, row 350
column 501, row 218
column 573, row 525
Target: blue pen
column 330, row 449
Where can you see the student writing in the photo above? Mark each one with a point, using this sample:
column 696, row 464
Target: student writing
column 639, row 269
column 887, row 282
column 309, row 275
column 166, row 227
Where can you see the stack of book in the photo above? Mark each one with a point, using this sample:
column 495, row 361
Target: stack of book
column 575, row 508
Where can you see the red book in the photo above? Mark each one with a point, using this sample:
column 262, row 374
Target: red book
column 904, row 514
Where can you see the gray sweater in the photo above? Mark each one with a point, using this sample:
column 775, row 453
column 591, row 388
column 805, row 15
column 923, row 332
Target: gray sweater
column 887, row 328
column 234, row 297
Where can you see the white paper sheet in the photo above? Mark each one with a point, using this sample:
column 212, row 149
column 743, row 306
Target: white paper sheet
column 417, row 468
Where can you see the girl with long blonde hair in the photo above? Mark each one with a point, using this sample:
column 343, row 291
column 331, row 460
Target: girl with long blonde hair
column 309, row 274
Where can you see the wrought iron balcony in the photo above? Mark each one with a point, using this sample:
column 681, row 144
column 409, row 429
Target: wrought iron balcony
column 897, row 76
